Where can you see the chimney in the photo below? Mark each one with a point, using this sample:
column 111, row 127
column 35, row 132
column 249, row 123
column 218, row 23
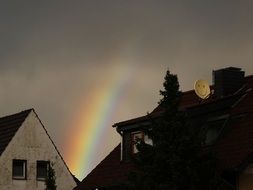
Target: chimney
column 227, row 81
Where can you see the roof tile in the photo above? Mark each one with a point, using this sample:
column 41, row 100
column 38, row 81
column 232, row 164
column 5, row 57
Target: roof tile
column 9, row 126
column 235, row 146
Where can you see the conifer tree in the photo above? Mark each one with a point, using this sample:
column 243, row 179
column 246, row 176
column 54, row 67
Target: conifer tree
column 176, row 161
column 51, row 178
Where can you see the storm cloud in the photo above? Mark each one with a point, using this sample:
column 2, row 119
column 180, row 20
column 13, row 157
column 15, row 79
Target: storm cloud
column 53, row 53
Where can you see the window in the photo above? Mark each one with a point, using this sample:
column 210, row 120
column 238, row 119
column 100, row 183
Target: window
column 134, row 137
column 148, row 140
column 18, row 169
column 42, row 167
column 214, row 129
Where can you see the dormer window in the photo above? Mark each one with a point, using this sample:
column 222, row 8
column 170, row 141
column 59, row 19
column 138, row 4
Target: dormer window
column 134, row 137
column 141, row 136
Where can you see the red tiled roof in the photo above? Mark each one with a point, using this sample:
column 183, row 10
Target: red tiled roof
column 9, row 125
column 235, row 146
column 189, row 99
column 108, row 172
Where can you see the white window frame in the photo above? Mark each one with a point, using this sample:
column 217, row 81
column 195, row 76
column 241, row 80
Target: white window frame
column 134, row 136
column 24, row 163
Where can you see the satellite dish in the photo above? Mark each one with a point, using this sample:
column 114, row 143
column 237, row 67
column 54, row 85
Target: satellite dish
column 202, row 89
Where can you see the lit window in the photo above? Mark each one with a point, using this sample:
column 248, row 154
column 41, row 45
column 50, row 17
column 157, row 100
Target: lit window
column 148, row 140
column 42, row 167
column 135, row 136
column 19, row 169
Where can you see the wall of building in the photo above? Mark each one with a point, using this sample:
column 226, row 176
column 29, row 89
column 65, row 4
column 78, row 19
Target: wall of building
column 127, row 154
column 31, row 143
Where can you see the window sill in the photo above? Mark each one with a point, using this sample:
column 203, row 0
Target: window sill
column 41, row 179
column 19, row 178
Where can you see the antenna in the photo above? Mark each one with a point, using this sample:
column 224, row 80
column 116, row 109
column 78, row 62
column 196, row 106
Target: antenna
column 202, row 89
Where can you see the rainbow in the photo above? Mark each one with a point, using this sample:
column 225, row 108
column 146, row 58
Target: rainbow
column 92, row 120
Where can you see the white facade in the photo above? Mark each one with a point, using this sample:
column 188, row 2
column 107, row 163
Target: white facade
column 32, row 143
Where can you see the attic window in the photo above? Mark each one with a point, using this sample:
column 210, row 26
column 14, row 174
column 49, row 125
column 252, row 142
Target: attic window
column 18, row 169
column 42, row 167
column 134, row 137
column 214, row 129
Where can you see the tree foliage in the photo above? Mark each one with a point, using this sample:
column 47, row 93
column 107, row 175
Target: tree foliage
column 176, row 161
column 51, row 178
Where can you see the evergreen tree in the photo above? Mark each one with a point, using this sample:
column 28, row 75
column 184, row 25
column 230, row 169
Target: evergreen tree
column 176, row 161
column 50, row 180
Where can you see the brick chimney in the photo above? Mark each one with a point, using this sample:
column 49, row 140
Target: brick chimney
column 227, row 81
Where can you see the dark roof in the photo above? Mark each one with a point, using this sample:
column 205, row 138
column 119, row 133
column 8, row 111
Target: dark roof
column 234, row 148
column 9, row 125
column 76, row 180
column 108, row 172
column 189, row 100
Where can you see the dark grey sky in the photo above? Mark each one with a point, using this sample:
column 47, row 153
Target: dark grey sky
column 53, row 53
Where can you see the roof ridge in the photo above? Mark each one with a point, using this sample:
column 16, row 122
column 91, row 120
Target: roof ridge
column 55, row 147
column 248, row 76
column 17, row 113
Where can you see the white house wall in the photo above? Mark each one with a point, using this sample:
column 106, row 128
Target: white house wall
column 31, row 143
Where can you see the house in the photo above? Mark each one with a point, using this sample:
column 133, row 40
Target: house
column 227, row 116
column 26, row 150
